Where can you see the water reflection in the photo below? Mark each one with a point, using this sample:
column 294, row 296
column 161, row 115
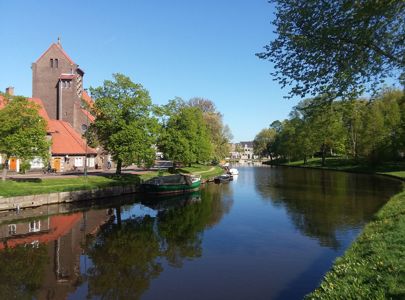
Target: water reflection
column 236, row 238
column 322, row 203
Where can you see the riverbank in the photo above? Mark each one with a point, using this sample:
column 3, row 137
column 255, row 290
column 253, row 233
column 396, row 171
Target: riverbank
column 393, row 169
column 23, row 186
column 373, row 267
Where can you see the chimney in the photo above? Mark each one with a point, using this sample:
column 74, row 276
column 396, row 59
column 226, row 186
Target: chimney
column 10, row 91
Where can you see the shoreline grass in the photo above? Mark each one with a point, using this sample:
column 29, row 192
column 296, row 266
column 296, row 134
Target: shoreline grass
column 394, row 169
column 35, row 186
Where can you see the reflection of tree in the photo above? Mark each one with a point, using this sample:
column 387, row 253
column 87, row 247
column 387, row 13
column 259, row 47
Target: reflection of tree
column 126, row 255
column 22, row 271
column 124, row 259
column 322, row 202
column 181, row 228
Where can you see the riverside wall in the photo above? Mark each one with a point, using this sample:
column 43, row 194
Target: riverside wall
column 20, row 202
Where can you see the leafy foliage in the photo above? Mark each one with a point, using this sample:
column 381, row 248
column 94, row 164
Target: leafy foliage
column 337, row 48
column 124, row 123
column 23, row 131
column 357, row 129
column 185, row 138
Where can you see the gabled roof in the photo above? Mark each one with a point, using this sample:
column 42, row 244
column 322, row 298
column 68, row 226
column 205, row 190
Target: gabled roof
column 86, row 97
column 66, row 140
column 59, row 48
column 2, row 102
column 42, row 112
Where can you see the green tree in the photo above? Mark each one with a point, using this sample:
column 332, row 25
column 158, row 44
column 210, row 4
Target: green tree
column 338, row 48
column 262, row 142
column 124, row 124
column 185, row 137
column 22, row 131
column 382, row 130
column 220, row 134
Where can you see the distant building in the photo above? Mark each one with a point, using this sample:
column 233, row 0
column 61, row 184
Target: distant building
column 242, row 151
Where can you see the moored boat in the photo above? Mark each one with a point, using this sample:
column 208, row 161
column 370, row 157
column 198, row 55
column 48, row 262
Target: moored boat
column 172, row 184
column 224, row 178
column 233, row 171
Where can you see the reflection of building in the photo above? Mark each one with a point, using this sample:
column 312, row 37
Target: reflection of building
column 63, row 236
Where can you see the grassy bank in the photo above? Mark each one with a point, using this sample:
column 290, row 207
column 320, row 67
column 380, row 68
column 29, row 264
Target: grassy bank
column 396, row 169
column 32, row 186
column 374, row 266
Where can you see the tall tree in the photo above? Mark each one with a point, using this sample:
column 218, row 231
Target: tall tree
column 22, row 131
column 124, row 124
column 220, row 134
column 339, row 48
column 185, row 137
column 262, row 142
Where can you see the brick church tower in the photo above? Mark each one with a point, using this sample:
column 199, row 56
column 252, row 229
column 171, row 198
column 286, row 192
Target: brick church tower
column 58, row 82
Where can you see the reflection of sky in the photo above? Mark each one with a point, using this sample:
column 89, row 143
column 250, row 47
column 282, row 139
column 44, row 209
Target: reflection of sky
column 137, row 210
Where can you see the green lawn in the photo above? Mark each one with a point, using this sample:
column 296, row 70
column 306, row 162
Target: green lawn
column 374, row 266
column 33, row 186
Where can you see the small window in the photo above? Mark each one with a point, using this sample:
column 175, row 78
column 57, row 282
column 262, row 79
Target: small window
column 84, row 127
column 51, row 62
column 12, row 229
column 35, row 226
column 56, row 63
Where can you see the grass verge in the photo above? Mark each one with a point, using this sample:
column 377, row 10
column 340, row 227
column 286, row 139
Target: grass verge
column 22, row 187
column 34, row 186
column 374, row 266
column 396, row 169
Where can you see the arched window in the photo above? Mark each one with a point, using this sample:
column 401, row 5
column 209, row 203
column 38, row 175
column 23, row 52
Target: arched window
column 51, row 62
column 56, row 63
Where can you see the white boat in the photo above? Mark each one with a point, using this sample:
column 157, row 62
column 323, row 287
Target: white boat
column 233, row 171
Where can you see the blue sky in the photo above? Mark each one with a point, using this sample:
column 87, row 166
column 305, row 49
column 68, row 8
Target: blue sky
column 184, row 48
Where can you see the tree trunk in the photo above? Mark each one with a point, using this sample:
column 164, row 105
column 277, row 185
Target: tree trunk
column 119, row 166
column 4, row 173
column 305, row 160
column 323, row 155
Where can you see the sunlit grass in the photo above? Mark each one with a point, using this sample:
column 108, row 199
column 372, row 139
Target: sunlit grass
column 374, row 266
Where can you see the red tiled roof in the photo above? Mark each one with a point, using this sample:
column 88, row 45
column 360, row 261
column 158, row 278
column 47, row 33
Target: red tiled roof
column 2, row 102
column 66, row 140
column 88, row 115
column 59, row 226
column 42, row 112
column 59, row 47
column 86, row 97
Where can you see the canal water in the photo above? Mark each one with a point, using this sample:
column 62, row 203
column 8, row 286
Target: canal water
column 272, row 233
